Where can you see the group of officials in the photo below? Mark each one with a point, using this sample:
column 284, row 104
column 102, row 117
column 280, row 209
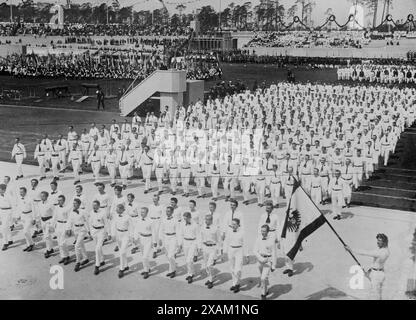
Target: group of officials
column 327, row 138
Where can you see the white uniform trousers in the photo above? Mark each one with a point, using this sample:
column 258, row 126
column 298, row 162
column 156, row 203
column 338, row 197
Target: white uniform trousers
column 170, row 244
column 200, row 184
column 55, row 163
column 235, row 256
column 159, row 178
column 229, row 186
column 76, row 168
column 60, row 233
column 215, row 178
column 47, row 232
column 122, row 243
column 6, row 219
column 146, row 249
column 173, row 179
column 347, row 190
column 209, row 253
column 260, row 188
column 337, row 200
column 316, row 194
column 19, row 161
column 97, row 235
column 95, row 166
column 185, row 176
column 80, row 252
column 275, row 188
column 189, row 248
column 27, row 221
column 124, row 172
column 357, row 177
column 111, row 167
column 41, row 163
column 155, row 233
column 245, row 186
column 147, row 172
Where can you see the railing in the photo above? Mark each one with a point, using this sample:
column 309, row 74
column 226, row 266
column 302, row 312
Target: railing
column 133, row 85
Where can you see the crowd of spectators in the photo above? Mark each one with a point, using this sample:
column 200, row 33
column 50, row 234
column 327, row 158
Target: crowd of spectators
column 309, row 39
column 100, row 65
column 86, row 30
column 250, row 56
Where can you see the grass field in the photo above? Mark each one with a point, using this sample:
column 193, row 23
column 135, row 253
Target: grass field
column 29, row 118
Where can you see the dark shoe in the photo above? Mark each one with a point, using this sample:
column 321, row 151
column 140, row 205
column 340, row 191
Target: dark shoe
column 169, row 274
column 42, row 178
column 134, row 250
column 77, row 267
column 124, row 187
column 210, row 284
column 25, row 249
column 96, row 270
column 84, row 262
column 30, row 248
column 263, row 297
column 12, row 227
column 126, row 269
column 46, row 255
column 173, row 274
column 154, row 255
column 76, row 182
column 236, row 288
column 62, row 260
column 120, row 274
column 146, row 275
column 116, row 249
column 290, row 273
column 145, row 191
column 195, row 259
column 10, row 243
column 67, row 260
column 199, row 196
column 102, row 264
column 112, row 185
column 232, row 288
column 190, row 279
column 286, row 271
column 4, row 247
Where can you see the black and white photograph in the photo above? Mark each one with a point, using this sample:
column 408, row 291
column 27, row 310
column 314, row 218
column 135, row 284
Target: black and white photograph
column 205, row 150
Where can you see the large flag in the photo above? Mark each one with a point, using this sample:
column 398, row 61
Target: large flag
column 302, row 218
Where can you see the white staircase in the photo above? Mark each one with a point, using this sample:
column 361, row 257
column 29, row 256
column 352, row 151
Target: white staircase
column 167, row 82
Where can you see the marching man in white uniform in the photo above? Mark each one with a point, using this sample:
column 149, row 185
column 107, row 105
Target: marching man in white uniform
column 210, row 239
column 336, row 188
column 99, row 225
column 143, row 228
column 5, row 217
column 25, row 207
column 78, row 226
column 265, row 252
column 19, row 154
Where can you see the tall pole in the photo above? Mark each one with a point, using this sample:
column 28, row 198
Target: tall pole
column 11, row 11
column 219, row 18
column 375, row 13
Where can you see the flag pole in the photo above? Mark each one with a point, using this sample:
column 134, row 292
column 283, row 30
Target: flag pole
column 332, row 228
